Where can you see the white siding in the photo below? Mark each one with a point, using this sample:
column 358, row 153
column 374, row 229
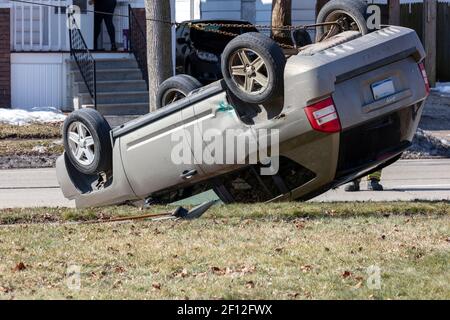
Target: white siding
column 220, row 9
column 187, row 10
column 303, row 11
column 38, row 80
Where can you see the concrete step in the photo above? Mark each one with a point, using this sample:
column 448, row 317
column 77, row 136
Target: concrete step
column 121, row 109
column 113, row 74
column 112, row 63
column 118, row 86
column 119, row 97
column 117, row 121
column 116, row 64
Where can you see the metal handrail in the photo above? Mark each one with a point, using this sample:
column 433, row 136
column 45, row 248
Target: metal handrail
column 138, row 42
column 83, row 58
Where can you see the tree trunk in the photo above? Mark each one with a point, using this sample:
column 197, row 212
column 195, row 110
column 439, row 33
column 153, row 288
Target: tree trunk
column 394, row 12
column 281, row 16
column 430, row 25
column 159, row 46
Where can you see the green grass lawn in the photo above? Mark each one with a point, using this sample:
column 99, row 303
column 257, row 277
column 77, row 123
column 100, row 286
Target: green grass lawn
column 270, row 251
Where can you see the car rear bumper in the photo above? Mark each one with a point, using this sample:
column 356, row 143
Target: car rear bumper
column 376, row 141
column 363, row 149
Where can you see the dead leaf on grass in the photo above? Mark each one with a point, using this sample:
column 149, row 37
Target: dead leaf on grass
column 200, row 274
column 181, row 274
column 293, row 295
column 5, row 289
column 306, row 268
column 119, row 269
column 247, row 269
column 218, row 271
column 299, row 224
column 233, row 272
column 19, row 267
column 346, row 274
column 156, row 286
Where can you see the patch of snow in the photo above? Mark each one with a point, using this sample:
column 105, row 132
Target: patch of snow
column 442, row 87
column 39, row 149
column 22, row 117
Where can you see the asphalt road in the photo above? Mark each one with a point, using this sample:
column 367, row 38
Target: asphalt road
column 406, row 180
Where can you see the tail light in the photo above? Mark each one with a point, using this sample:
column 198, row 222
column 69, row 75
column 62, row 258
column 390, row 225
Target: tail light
column 425, row 77
column 323, row 116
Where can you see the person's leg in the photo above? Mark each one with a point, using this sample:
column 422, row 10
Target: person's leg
column 110, row 25
column 353, row 186
column 373, row 181
column 98, row 18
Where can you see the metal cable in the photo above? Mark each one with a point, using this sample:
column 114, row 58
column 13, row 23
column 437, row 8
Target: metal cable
column 173, row 23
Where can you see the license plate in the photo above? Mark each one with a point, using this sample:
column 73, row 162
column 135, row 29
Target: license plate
column 383, row 89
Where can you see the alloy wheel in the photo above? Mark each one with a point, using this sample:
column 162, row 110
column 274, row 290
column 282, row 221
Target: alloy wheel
column 249, row 71
column 81, row 143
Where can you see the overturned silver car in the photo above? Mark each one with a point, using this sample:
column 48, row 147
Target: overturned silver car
column 301, row 122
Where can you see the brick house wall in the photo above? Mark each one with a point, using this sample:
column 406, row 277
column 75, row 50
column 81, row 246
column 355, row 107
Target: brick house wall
column 5, row 59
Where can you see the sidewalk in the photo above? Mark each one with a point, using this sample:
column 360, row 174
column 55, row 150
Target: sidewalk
column 406, row 180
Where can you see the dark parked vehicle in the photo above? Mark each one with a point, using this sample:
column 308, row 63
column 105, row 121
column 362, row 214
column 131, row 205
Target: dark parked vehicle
column 198, row 52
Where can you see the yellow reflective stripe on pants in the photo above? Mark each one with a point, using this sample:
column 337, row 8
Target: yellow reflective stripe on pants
column 375, row 176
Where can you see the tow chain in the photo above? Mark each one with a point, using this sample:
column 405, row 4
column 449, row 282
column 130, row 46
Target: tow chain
column 291, row 29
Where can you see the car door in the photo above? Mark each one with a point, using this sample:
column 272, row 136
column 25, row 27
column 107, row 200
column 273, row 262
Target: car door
column 210, row 124
column 157, row 156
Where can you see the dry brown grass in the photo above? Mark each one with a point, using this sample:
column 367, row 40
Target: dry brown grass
column 30, row 147
column 276, row 251
column 32, row 131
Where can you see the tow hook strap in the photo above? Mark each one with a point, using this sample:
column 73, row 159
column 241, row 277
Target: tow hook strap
column 178, row 213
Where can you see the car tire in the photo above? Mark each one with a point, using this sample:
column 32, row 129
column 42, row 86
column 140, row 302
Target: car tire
column 86, row 137
column 176, row 88
column 356, row 10
column 254, row 55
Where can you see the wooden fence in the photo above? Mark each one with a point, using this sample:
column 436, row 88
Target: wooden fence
column 443, row 42
column 411, row 16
